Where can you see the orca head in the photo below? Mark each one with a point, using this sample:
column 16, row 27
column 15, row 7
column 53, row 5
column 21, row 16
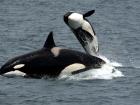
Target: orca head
column 73, row 20
column 12, row 65
column 83, row 30
column 77, row 20
column 22, row 62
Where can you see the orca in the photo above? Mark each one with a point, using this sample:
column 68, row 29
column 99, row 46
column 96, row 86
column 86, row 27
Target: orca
column 83, row 31
column 52, row 61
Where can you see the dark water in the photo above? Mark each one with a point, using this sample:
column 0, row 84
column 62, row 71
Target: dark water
column 24, row 25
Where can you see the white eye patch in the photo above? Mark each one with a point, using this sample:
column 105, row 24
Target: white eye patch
column 19, row 66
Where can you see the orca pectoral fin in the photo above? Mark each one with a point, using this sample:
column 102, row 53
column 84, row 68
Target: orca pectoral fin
column 89, row 13
column 96, row 66
column 81, row 70
column 49, row 41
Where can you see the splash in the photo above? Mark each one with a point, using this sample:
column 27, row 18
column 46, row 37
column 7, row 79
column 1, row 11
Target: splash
column 112, row 63
column 107, row 71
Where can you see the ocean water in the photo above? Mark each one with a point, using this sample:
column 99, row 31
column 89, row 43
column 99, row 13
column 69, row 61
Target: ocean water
column 24, row 26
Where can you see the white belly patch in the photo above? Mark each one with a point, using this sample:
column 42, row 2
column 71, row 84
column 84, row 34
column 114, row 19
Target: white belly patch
column 73, row 67
column 14, row 73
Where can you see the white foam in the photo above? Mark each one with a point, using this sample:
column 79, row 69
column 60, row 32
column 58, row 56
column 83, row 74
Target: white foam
column 107, row 71
column 113, row 63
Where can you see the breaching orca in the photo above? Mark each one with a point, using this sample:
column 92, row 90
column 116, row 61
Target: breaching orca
column 52, row 61
column 83, row 30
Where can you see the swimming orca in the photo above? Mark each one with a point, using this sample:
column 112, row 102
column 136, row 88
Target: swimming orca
column 51, row 61
column 83, row 30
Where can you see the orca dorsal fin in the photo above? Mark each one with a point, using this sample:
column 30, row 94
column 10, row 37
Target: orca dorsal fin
column 89, row 13
column 49, row 41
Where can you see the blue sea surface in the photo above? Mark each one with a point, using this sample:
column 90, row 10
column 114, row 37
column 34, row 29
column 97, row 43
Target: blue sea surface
column 24, row 26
